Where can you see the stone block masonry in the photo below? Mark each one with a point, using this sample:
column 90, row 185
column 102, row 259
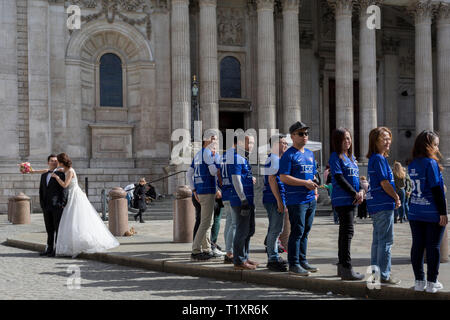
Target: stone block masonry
column 12, row 184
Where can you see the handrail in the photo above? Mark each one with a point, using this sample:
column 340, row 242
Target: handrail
column 167, row 176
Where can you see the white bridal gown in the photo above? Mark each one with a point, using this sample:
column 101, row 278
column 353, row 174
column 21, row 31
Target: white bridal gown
column 81, row 229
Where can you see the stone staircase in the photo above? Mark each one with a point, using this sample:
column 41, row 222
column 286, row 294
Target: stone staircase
column 163, row 209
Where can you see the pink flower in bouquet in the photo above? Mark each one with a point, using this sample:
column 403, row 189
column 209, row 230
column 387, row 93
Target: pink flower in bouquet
column 25, row 167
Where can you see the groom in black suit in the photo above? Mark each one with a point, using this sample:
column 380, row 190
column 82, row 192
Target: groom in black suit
column 53, row 199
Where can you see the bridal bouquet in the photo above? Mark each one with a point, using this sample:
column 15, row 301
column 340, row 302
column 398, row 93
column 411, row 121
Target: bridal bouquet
column 25, row 167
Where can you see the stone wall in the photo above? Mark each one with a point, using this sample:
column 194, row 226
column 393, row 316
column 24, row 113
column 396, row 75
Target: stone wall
column 12, row 184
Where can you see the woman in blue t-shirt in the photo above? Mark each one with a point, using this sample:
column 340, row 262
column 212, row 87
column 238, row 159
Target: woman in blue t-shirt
column 427, row 211
column 345, row 196
column 381, row 202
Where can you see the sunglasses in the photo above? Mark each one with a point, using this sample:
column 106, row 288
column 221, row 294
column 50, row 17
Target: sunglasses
column 301, row 134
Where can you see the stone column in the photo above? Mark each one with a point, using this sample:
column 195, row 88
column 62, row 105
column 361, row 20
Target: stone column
column 291, row 64
column 390, row 50
column 181, row 76
column 9, row 84
column 367, row 80
column 266, row 65
column 209, row 87
column 443, row 67
column 344, row 63
column 423, row 13
column 40, row 109
column 181, row 67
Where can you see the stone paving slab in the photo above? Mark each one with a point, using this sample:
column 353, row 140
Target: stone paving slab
column 152, row 248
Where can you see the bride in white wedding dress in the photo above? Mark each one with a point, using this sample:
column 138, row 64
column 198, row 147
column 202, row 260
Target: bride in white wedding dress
column 81, row 229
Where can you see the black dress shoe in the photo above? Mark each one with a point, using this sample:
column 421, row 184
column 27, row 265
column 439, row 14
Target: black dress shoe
column 45, row 253
column 52, row 254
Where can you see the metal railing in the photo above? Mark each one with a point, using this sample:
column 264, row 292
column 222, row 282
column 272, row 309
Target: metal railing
column 105, row 197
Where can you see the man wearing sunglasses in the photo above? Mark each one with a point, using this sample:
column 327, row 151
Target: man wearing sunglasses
column 297, row 171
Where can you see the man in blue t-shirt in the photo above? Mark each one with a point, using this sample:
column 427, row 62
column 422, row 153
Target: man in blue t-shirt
column 297, row 172
column 274, row 202
column 241, row 199
column 201, row 177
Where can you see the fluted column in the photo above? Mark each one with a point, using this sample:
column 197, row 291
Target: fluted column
column 367, row 79
column 390, row 50
column 266, row 65
column 344, row 63
column 443, row 67
column 291, row 64
column 209, row 87
column 181, row 67
column 423, row 12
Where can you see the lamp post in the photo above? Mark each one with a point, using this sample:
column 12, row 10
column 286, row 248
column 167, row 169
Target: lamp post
column 195, row 111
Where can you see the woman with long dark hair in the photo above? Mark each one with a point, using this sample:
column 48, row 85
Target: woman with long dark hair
column 345, row 196
column 381, row 202
column 427, row 211
column 81, row 229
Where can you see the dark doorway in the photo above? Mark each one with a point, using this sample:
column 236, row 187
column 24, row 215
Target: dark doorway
column 230, row 120
column 332, row 114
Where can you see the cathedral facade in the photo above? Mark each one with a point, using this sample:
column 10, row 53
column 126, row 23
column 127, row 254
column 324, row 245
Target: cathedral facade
column 111, row 92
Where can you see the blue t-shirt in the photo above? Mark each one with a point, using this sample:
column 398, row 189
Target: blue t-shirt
column 379, row 170
column 204, row 182
column 301, row 166
column 349, row 169
column 271, row 168
column 424, row 174
column 238, row 165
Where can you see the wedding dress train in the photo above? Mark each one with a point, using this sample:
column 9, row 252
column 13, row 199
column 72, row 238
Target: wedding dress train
column 81, row 229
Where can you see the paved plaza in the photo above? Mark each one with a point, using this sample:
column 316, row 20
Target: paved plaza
column 152, row 248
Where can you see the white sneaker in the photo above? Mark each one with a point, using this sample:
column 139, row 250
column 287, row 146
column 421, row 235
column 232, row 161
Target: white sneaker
column 420, row 285
column 438, row 285
column 433, row 287
column 217, row 253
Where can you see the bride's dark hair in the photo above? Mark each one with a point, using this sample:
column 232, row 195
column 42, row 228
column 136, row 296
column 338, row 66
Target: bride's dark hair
column 64, row 159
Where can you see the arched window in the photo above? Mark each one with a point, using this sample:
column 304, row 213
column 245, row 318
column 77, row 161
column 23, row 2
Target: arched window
column 230, row 78
column 111, row 90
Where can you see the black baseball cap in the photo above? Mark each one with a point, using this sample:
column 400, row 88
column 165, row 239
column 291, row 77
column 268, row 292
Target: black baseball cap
column 297, row 126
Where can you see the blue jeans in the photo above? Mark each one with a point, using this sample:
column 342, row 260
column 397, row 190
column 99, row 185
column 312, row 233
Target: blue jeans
column 382, row 240
column 400, row 212
column 276, row 222
column 245, row 228
column 301, row 217
column 230, row 227
column 426, row 235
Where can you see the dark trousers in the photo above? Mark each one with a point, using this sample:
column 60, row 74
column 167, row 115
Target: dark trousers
column 346, row 214
column 245, row 229
column 426, row 235
column 216, row 225
column 198, row 210
column 52, row 217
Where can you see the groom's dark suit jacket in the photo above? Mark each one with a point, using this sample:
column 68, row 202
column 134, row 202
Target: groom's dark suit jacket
column 52, row 196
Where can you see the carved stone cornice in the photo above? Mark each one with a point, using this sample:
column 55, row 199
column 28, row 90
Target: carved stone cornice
column 265, row 4
column 362, row 5
column 390, row 45
column 443, row 13
column 422, row 11
column 112, row 8
column 342, row 7
column 207, row 3
column 291, row 5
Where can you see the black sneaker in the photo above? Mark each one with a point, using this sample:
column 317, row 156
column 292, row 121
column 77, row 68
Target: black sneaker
column 201, row 256
column 276, row 266
column 282, row 261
